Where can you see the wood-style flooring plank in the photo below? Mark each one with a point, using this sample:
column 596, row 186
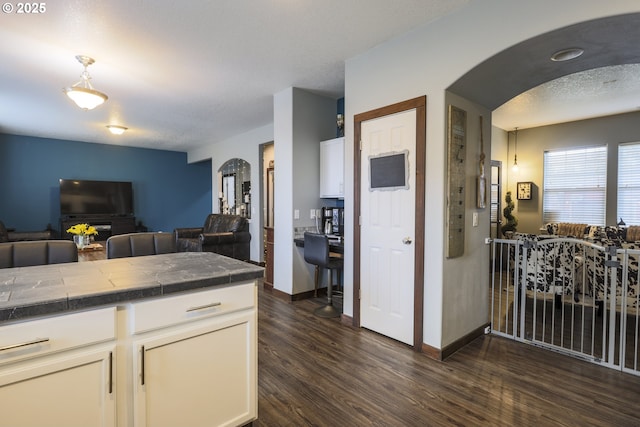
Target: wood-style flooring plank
column 317, row 372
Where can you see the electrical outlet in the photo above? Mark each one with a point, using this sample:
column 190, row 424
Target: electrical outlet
column 296, row 214
column 312, row 215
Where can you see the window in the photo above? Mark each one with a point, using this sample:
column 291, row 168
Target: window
column 575, row 185
column 629, row 183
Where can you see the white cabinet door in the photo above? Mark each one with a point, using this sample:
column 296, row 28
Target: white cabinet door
column 71, row 389
column 332, row 168
column 199, row 374
column 59, row 370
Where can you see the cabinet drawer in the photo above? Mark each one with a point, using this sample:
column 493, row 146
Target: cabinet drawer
column 52, row 334
column 167, row 311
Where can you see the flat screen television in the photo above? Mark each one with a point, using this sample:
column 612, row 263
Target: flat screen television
column 106, row 198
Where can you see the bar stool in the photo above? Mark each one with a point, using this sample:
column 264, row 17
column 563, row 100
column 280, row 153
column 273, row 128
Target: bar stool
column 316, row 252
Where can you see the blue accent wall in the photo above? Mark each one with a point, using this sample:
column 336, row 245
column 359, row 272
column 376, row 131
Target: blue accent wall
column 340, row 106
column 167, row 191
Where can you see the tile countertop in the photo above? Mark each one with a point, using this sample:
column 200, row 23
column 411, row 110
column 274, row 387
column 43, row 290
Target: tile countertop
column 57, row 288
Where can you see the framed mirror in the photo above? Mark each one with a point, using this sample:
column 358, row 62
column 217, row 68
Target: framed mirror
column 234, row 182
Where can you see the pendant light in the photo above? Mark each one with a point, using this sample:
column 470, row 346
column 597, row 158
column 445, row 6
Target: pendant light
column 83, row 93
column 515, row 155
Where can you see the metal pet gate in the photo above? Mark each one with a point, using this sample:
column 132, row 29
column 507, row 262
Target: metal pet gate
column 570, row 296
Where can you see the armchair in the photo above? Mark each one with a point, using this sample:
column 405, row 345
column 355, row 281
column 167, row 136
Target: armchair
column 223, row 234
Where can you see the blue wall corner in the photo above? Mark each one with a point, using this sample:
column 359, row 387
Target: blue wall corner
column 340, row 106
column 168, row 192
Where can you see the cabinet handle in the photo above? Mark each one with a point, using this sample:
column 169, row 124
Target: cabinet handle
column 24, row 344
column 202, row 307
column 142, row 365
column 110, row 372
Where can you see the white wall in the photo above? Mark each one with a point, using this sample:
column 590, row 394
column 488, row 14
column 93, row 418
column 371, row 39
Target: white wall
column 302, row 120
column 427, row 61
column 245, row 146
column 464, row 288
column 283, row 205
column 423, row 62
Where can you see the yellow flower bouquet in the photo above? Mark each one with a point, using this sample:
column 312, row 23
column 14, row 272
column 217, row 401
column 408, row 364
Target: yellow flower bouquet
column 81, row 234
column 82, row 230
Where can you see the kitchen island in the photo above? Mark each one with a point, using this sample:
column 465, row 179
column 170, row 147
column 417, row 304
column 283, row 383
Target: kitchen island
column 157, row 340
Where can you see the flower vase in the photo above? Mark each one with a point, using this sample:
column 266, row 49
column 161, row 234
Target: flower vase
column 81, row 241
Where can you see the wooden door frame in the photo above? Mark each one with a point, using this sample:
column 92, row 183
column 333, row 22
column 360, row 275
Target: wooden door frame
column 420, row 105
column 270, row 193
column 498, row 164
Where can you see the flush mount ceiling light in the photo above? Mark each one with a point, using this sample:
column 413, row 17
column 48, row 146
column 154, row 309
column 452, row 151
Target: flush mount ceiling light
column 567, row 54
column 116, row 130
column 82, row 93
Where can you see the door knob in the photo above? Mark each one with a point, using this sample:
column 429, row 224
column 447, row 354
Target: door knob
column 407, row 240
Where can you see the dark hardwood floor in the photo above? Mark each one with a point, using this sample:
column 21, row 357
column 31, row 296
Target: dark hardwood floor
column 317, row 372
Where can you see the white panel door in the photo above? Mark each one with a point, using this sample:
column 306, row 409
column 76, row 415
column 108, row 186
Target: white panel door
column 387, row 227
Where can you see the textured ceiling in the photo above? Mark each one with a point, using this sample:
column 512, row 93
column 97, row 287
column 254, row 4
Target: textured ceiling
column 184, row 74
column 181, row 74
column 587, row 94
column 603, row 81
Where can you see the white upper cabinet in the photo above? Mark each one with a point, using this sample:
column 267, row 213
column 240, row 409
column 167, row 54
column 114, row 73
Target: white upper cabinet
column 332, row 168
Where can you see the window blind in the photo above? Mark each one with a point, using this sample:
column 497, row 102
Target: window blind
column 575, row 185
column 629, row 183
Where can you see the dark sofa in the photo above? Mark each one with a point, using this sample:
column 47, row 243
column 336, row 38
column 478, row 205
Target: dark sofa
column 223, row 234
column 19, row 236
column 39, row 252
column 140, row 244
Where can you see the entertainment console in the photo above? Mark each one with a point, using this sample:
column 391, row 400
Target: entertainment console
column 106, row 226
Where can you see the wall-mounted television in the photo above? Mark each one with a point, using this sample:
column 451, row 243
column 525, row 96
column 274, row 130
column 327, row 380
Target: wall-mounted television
column 107, row 198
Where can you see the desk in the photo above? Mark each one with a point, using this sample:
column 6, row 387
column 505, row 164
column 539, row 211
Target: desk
column 334, row 245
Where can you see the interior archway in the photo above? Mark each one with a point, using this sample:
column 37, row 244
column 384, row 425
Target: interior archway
column 606, row 42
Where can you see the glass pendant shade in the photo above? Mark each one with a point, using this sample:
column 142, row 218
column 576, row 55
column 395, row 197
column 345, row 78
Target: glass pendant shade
column 86, row 98
column 116, row 130
column 82, row 93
